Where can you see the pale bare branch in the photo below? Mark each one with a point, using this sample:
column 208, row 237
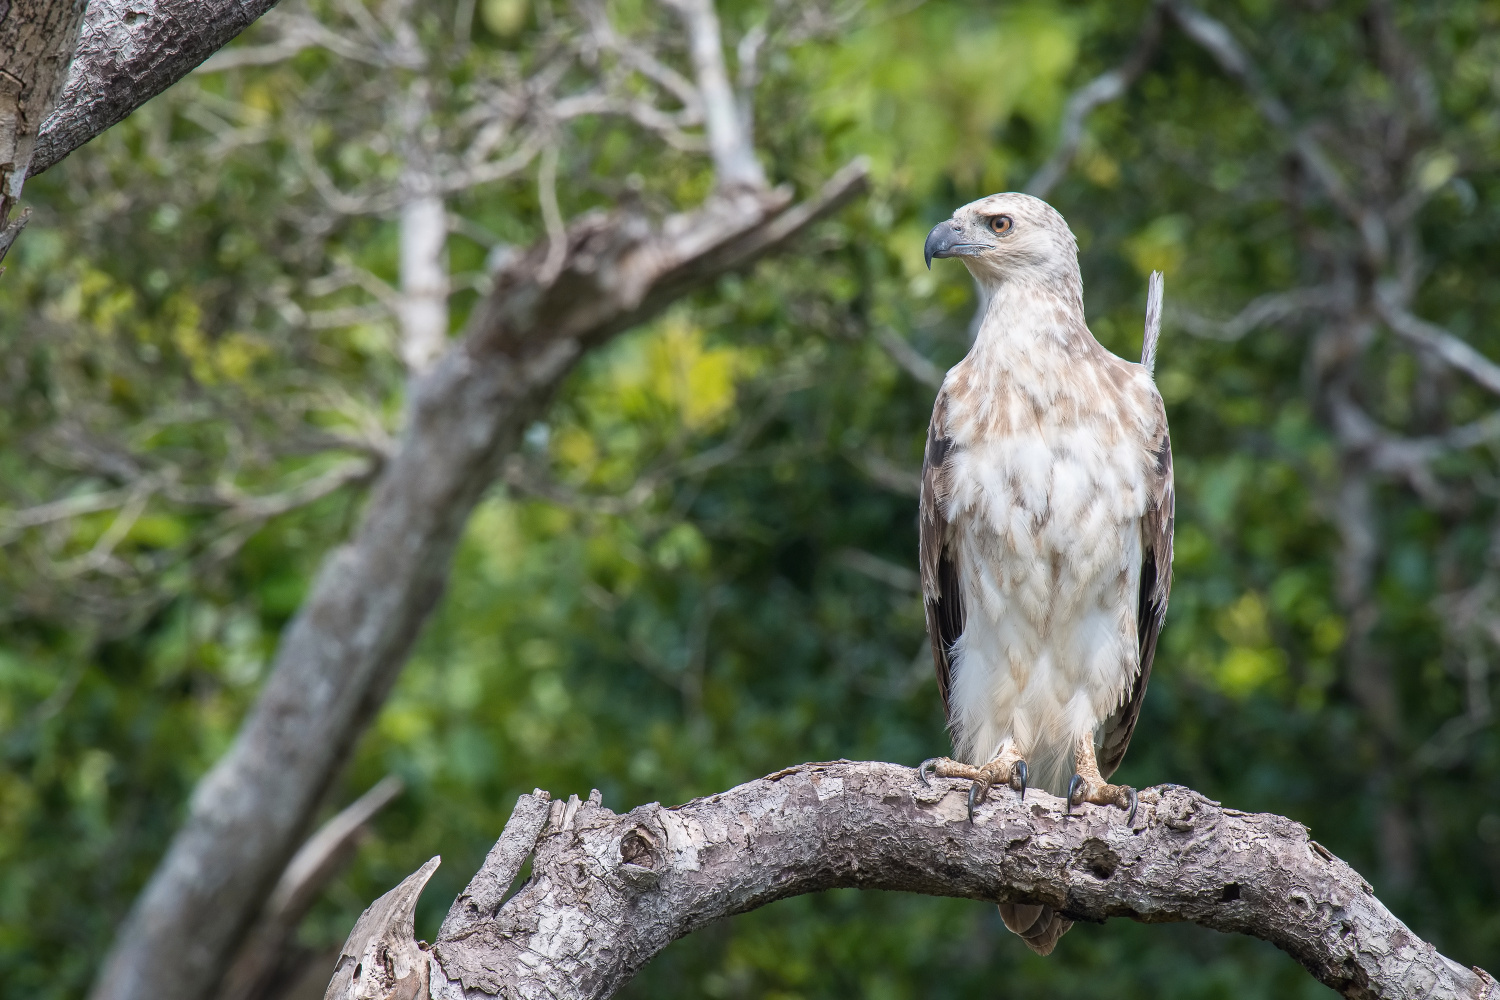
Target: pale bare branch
column 883, row 570
column 557, row 237
column 1270, row 308
column 735, row 164
column 1104, row 88
column 104, row 549
column 1440, row 343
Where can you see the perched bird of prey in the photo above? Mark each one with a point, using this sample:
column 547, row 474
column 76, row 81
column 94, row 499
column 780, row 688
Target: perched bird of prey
column 1046, row 528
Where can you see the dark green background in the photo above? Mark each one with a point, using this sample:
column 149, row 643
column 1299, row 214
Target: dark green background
column 714, row 626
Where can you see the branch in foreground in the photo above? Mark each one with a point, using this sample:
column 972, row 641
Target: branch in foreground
column 607, row 892
column 128, row 52
column 36, row 41
column 342, row 652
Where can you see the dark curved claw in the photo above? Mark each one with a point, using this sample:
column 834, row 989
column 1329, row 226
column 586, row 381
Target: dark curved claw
column 1073, row 787
column 1018, row 778
column 922, row 769
column 1130, row 820
column 978, row 792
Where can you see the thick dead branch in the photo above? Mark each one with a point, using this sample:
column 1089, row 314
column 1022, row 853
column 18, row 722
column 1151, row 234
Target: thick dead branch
column 343, row 651
column 380, row 959
column 128, row 52
column 607, row 892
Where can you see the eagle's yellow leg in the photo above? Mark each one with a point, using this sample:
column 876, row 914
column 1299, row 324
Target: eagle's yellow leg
column 1088, row 785
column 1008, row 768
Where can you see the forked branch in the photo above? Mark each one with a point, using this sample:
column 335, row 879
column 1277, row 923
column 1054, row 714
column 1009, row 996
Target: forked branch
column 607, row 892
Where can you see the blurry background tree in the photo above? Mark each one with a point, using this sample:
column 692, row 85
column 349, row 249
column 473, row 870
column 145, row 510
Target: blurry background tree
column 702, row 566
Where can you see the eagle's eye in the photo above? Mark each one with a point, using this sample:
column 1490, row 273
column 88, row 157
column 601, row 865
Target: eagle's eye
column 1000, row 225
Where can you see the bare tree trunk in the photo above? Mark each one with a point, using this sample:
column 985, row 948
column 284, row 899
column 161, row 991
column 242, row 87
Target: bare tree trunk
column 37, row 38
column 341, row 654
column 607, row 892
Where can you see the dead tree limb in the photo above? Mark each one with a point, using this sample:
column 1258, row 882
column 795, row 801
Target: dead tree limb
column 607, row 892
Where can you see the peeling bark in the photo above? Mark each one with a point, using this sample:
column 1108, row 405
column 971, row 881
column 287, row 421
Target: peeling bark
column 607, row 892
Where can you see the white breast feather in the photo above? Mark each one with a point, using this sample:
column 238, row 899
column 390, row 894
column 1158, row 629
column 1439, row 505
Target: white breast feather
column 1046, row 523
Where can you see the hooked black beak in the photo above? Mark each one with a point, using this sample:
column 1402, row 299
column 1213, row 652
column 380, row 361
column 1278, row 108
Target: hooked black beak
column 946, row 240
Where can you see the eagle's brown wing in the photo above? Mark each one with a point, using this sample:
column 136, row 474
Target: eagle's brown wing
column 941, row 597
column 1156, row 582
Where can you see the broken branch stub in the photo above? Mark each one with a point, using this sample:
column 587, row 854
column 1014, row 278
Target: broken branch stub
column 381, row 960
column 607, row 891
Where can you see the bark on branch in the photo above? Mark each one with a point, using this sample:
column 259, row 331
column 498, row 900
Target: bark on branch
column 607, row 892
column 341, row 654
column 36, row 42
column 128, row 52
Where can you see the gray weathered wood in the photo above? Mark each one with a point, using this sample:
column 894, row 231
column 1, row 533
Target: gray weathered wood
column 481, row 900
column 607, row 892
column 382, row 959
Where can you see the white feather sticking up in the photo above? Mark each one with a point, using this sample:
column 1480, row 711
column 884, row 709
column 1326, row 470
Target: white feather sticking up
column 1153, row 321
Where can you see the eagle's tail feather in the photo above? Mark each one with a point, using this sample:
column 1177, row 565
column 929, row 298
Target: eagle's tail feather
column 1039, row 925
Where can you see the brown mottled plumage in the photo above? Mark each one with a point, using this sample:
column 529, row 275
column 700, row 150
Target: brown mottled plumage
column 1046, row 527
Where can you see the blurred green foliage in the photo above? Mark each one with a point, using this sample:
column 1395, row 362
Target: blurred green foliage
column 716, row 580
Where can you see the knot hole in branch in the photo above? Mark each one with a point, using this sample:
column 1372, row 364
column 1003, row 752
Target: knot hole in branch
column 638, row 860
column 637, row 849
column 1099, row 859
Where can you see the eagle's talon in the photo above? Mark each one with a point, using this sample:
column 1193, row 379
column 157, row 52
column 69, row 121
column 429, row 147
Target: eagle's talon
column 923, row 768
column 1134, row 801
column 976, row 792
column 1007, row 768
column 1073, row 787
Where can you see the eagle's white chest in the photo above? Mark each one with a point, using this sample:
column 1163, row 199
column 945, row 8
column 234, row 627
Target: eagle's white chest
column 1047, row 486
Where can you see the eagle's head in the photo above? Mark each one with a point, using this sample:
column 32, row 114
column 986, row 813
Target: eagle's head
column 1006, row 237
